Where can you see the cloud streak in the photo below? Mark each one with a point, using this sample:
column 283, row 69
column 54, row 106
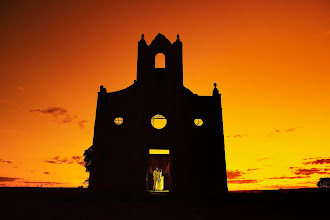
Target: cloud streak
column 42, row 183
column 279, row 132
column 287, row 177
column 8, row 179
column 234, row 174
column 237, row 135
column 317, row 161
column 244, row 181
column 66, row 160
column 55, row 111
column 82, row 123
column 61, row 114
column 265, row 158
column 251, row 170
column 58, row 112
column 287, row 186
column 5, row 161
column 310, row 171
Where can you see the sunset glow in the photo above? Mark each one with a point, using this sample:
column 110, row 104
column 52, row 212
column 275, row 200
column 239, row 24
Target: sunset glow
column 270, row 59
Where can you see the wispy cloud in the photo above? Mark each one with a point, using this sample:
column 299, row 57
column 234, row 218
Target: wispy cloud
column 234, row 174
column 243, row 181
column 317, row 161
column 41, row 183
column 286, row 186
column 5, row 161
column 279, row 132
column 8, row 179
column 237, row 174
column 82, row 123
column 287, row 177
column 310, row 171
column 9, row 163
column 251, row 170
column 66, row 160
column 58, row 112
column 261, row 159
column 290, row 130
column 237, row 135
column 55, row 111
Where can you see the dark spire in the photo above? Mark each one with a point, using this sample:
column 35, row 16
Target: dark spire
column 215, row 90
column 102, row 89
column 177, row 42
column 142, row 40
column 178, row 38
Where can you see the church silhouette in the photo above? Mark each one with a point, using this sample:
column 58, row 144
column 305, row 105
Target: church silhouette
column 157, row 122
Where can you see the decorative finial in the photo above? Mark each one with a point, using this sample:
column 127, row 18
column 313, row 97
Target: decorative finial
column 142, row 41
column 215, row 90
column 102, row 89
column 177, row 39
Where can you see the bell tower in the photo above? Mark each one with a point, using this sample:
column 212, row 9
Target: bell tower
column 169, row 77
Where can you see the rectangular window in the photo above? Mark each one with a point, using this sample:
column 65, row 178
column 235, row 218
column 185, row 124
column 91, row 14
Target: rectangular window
column 159, row 151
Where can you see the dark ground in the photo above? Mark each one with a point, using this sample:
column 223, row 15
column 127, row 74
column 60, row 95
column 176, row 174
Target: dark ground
column 66, row 203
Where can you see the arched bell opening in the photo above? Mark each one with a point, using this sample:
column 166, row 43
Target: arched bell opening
column 160, row 60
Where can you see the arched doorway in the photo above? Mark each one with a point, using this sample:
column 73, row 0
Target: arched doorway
column 159, row 158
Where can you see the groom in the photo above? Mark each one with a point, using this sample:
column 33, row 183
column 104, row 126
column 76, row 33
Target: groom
column 155, row 176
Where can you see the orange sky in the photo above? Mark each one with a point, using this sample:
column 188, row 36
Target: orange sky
column 270, row 60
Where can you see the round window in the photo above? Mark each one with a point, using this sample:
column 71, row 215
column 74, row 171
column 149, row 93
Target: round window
column 119, row 120
column 198, row 122
column 158, row 121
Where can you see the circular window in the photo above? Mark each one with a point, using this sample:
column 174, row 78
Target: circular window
column 198, row 122
column 119, row 120
column 158, row 121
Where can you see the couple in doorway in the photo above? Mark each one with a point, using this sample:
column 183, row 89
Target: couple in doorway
column 158, row 180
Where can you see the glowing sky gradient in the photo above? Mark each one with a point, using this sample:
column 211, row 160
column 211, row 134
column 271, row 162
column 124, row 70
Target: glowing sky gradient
column 270, row 59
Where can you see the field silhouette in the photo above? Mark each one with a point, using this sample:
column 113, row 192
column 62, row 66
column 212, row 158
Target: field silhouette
column 81, row 203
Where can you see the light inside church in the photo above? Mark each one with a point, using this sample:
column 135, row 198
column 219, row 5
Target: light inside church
column 198, row 122
column 158, row 121
column 159, row 151
column 119, row 120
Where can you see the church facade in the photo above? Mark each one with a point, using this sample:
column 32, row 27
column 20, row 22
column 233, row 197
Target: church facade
column 157, row 122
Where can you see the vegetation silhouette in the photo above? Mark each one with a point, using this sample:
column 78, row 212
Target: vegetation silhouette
column 88, row 158
column 323, row 183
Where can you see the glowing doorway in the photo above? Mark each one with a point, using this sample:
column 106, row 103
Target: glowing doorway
column 158, row 181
